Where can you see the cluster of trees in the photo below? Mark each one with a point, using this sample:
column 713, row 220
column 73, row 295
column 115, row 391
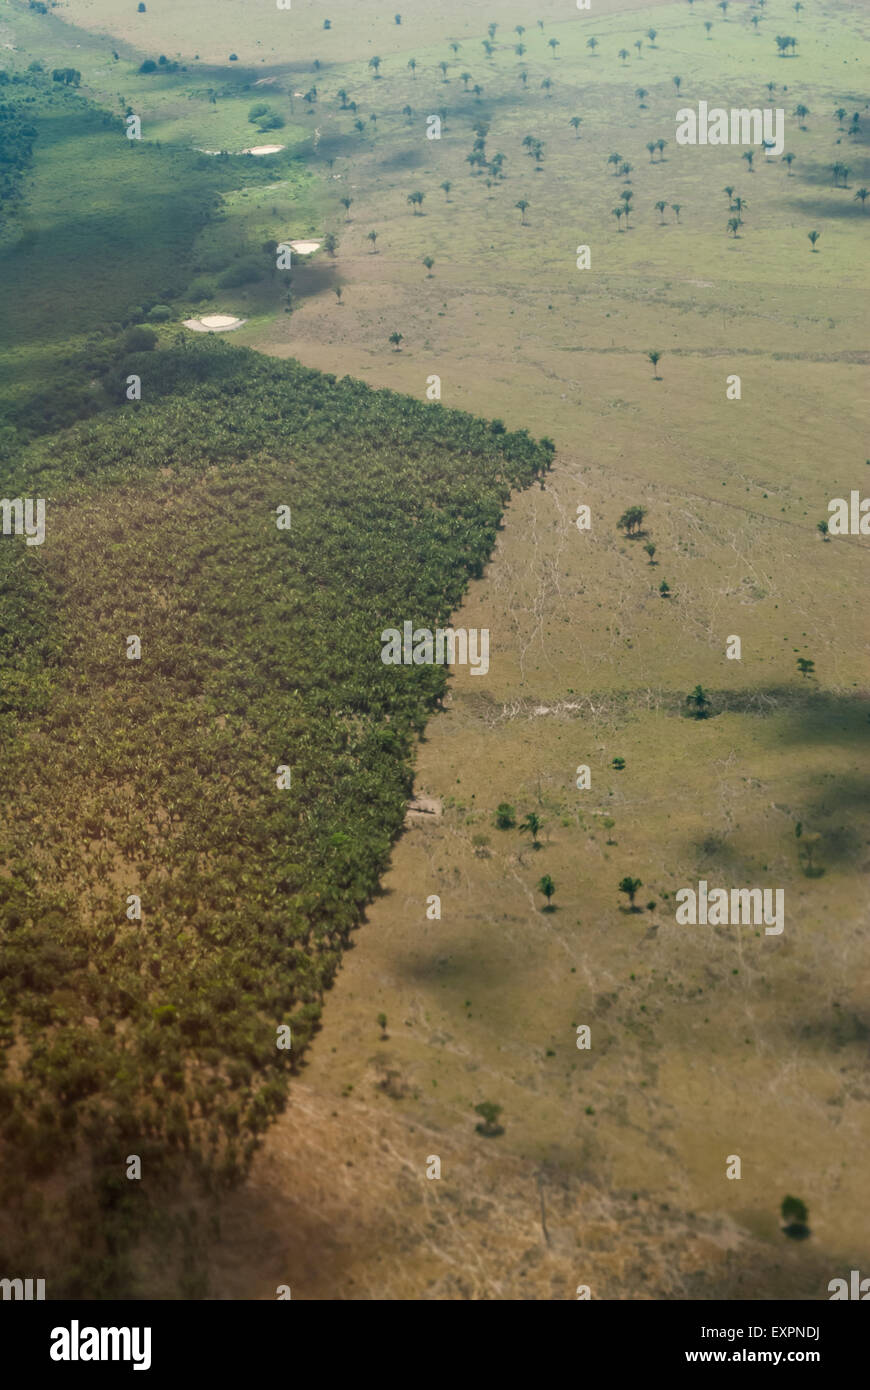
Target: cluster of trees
column 260, row 647
column 264, row 117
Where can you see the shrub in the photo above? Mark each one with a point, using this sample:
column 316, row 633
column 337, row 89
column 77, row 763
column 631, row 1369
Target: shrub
column 161, row 313
column 260, row 109
column 201, row 288
column 149, row 65
column 244, row 272
column 140, row 339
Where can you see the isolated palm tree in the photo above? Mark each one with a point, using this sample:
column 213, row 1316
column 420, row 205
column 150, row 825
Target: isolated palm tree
column 814, row 236
column 638, row 43
column 651, row 146
column 624, row 55
column 522, row 204
column 641, row 93
column 863, row 194
column 615, row 160
column 660, row 209
column 788, row 160
column 490, row 29
column 465, row 78
column 373, row 236
column 749, row 155
column 677, row 207
column 520, row 49
column 428, row 262
column 699, row 703
column 395, row 339
column 554, row 44
column 416, row 201
column 733, row 225
column 660, row 146
column 531, row 826
column 650, row 550
column 618, row 213
column 665, row 589
column 447, row 185
column 708, row 26
column 375, row 63
column 802, row 112
column 443, row 66
column 345, row 203
column 412, row 64
column 592, row 44
column 655, row 358
column 575, row 121
column 678, row 82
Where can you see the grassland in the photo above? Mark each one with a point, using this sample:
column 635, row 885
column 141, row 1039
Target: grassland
column 706, row 1042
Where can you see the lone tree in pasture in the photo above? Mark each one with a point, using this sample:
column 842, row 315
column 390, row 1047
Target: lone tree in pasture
column 650, row 550
column 699, row 703
column 619, row 213
column 629, row 886
column 372, row 237
column 861, row 196
column 428, row 262
column 330, row 243
column 382, row 1024
column 733, row 225
column 651, row 146
column 813, row 238
column 531, row 826
column 505, row 816
column 822, row 528
column 805, row 666
column 788, row 160
column 412, row 64
column 592, row 44
column 660, row 209
column 447, row 185
column 465, row 78
column 749, row 155
column 338, row 293
column 641, row 93
column 795, row 1218
column 575, row 121
column 660, row 146
column 624, row 55
column 345, row 203
column 416, row 201
column 665, row 589
column 375, row 63
column 708, row 26
column 443, row 66
column 396, row 339
column 677, row 207
column 489, row 1114
column 678, row 82
column 652, row 35
column 632, row 520
column 638, row 43
column 655, row 358
column 554, row 44
column 548, row 888
column 802, row 112
column 522, row 204
column 618, row 764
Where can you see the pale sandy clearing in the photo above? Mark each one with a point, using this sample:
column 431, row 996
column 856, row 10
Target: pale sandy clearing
column 214, row 323
column 263, row 149
column 305, row 248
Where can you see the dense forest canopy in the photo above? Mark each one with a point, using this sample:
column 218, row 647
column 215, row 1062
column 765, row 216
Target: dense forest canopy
column 156, row 777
